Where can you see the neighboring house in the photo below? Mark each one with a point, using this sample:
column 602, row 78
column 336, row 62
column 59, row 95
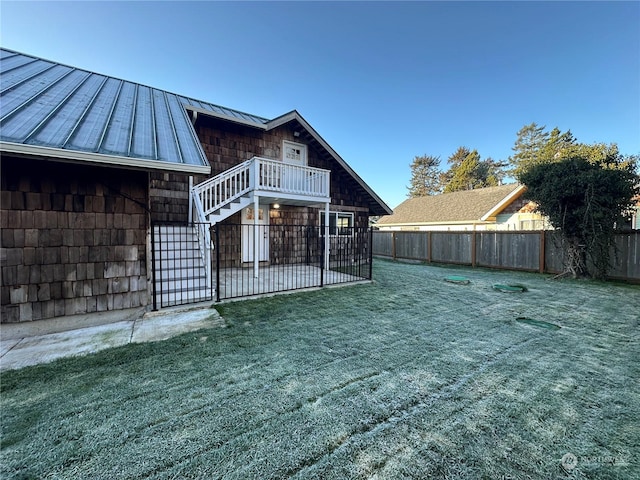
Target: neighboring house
column 492, row 208
column 93, row 169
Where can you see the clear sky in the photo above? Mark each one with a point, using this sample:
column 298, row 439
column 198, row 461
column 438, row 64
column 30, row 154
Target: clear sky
column 381, row 82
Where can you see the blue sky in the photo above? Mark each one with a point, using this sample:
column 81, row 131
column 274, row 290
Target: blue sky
column 381, row 82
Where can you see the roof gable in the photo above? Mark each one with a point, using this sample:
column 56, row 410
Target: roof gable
column 54, row 110
column 466, row 206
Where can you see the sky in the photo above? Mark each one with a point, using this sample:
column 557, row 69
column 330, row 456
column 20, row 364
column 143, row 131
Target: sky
column 381, row 82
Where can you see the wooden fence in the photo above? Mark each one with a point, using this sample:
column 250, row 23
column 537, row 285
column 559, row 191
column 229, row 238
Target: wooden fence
column 535, row 251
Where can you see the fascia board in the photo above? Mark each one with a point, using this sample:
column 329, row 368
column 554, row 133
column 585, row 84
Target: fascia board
column 519, row 190
column 294, row 115
column 99, row 158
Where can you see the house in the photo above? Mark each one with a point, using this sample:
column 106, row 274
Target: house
column 493, row 208
column 117, row 196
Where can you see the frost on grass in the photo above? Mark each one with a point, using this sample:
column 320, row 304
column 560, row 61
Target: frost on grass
column 410, row 377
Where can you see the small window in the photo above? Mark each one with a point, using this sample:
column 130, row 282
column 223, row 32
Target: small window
column 340, row 223
column 295, row 153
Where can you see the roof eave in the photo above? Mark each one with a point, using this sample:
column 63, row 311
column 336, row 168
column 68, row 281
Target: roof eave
column 99, row 158
column 429, row 224
column 519, row 190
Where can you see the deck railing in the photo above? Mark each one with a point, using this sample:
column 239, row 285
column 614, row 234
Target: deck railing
column 260, row 174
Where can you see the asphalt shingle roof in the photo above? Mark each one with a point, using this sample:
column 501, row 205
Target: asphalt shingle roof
column 463, row 206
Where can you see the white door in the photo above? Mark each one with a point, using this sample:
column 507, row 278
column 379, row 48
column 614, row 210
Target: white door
column 248, row 232
column 293, row 179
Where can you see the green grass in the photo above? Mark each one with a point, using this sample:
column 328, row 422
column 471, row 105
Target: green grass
column 409, row 377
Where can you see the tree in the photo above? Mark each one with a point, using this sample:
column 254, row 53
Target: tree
column 425, row 176
column 530, row 142
column 584, row 200
column 469, row 171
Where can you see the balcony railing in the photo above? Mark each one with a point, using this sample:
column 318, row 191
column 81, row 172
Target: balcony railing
column 263, row 175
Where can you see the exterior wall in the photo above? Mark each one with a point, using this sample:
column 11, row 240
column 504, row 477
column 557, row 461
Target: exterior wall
column 227, row 145
column 169, row 197
column 73, row 239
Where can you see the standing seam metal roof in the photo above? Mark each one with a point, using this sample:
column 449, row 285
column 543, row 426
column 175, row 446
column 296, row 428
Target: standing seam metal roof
column 47, row 104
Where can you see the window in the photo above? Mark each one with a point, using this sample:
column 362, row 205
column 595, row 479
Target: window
column 340, row 223
column 295, row 153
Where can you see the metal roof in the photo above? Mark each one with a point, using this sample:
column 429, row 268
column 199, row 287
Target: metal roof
column 224, row 112
column 46, row 107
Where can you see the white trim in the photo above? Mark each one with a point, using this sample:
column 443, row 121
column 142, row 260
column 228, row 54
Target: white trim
column 304, row 152
column 504, row 202
column 99, row 158
column 337, row 213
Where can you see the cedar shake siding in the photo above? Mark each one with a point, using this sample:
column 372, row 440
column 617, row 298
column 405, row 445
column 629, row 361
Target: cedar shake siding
column 73, row 239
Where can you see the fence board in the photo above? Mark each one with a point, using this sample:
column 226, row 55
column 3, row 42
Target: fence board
column 411, row 245
column 508, row 250
column 518, row 251
column 382, row 243
column 451, row 247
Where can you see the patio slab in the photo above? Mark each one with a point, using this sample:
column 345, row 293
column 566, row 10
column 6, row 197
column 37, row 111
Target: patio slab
column 152, row 326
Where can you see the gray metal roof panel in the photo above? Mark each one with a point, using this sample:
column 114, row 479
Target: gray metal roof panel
column 228, row 112
column 51, row 105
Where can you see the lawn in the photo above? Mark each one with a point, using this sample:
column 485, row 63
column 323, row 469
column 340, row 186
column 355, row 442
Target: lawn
column 408, row 377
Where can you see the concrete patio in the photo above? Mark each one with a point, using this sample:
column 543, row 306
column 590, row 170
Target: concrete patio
column 33, row 343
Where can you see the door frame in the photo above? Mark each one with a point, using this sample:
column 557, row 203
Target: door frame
column 248, row 224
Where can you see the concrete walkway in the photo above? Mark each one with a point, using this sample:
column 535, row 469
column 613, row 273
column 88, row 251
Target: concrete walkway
column 22, row 345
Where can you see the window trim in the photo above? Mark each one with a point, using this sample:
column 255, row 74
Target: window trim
column 337, row 228
column 304, row 160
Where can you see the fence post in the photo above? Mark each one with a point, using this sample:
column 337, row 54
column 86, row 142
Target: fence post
column 429, row 246
column 542, row 253
column 473, row 249
column 393, row 245
column 153, row 267
column 217, row 247
column 370, row 253
column 322, row 254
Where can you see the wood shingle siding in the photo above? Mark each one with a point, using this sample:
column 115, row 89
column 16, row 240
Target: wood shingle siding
column 73, row 239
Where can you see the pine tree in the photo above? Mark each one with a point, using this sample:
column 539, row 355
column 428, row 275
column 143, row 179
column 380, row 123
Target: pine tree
column 425, row 176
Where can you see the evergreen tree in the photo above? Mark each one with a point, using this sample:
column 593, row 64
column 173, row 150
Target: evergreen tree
column 425, row 176
column 528, row 147
column 585, row 200
column 469, row 171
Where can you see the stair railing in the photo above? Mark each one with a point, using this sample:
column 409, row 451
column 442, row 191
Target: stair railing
column 218, row 191
column 203, row 234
